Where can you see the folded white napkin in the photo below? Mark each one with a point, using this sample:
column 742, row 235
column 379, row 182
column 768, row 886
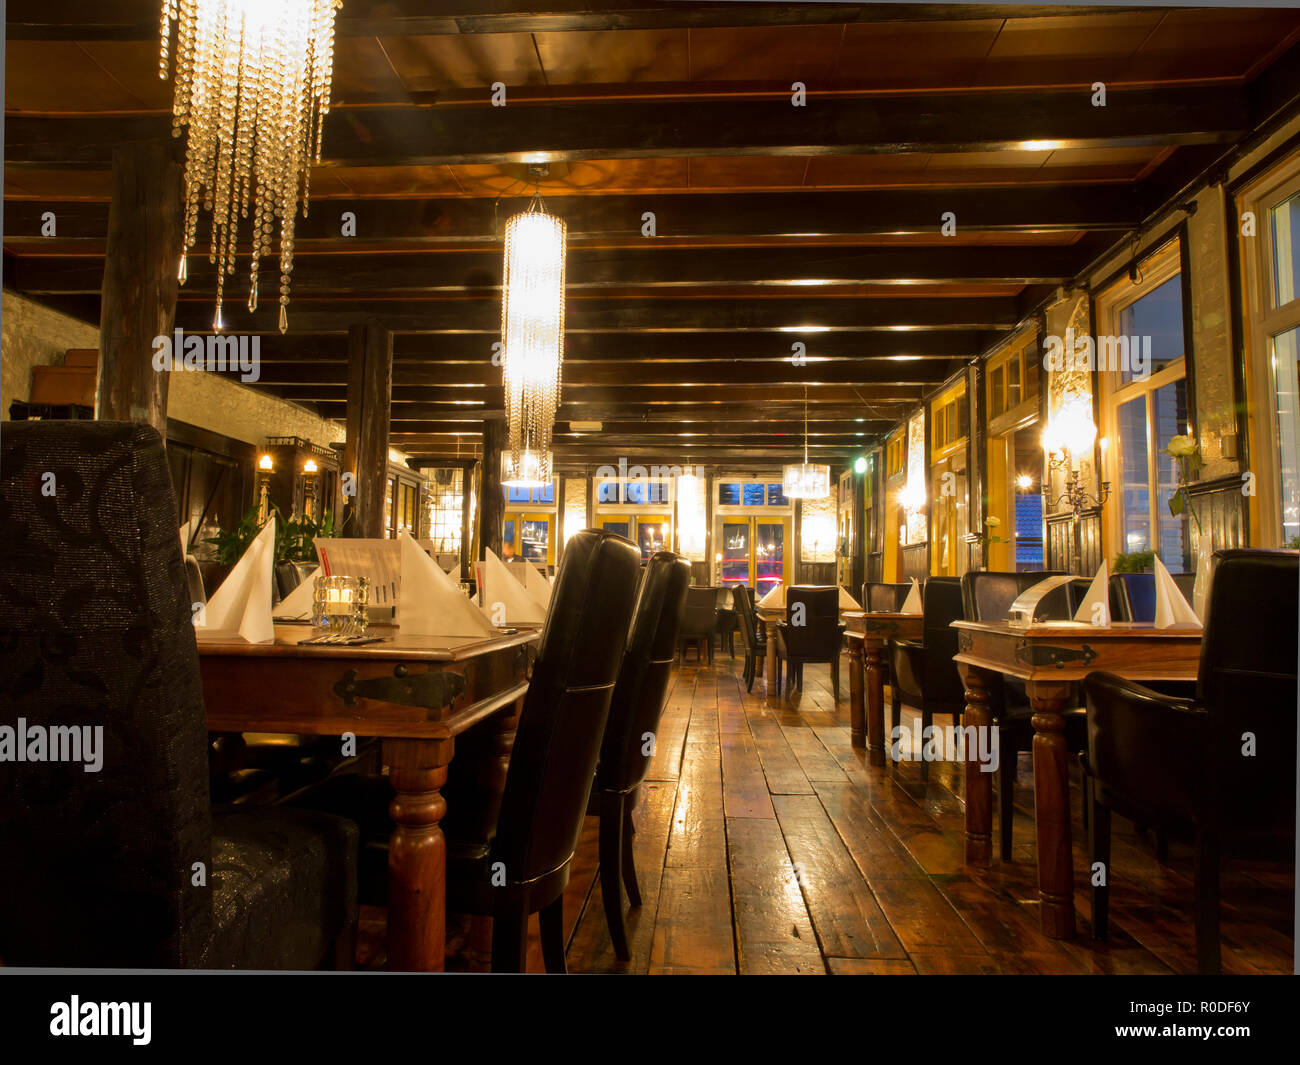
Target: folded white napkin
column 1172, row 609
column 847, row 602
column 538, row 587
column 504, row 599
column 1095, row 608
column 429, row 602
column 243, row 602
column 185, row 538
column 775, row 599
column 912, row 604
column 297, row 605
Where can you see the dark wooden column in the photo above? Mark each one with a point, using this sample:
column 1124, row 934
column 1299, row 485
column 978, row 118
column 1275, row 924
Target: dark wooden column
column 139, row 292
column 466, row 522
column 365, row 452
column 492, row 497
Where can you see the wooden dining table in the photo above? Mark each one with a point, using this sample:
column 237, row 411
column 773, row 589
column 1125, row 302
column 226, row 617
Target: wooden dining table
column 416, row 694
column 771, row 617
column 1049, row 658
column 869, row 632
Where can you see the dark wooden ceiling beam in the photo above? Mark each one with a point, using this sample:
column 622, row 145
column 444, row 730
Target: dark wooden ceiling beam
column 653, row 420
column 798, row 317
column 133, row 20
column 590, row 270
column 808, row 214
column 965, row 121
column 601, row 374
column 631, row 397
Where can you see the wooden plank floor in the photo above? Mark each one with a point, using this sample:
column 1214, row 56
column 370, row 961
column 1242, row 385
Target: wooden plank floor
column 765, row 844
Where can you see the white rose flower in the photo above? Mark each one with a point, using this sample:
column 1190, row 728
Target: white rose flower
column 1181, row 446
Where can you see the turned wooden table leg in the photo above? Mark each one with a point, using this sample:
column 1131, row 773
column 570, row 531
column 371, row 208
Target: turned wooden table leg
column 1052, row 810
column 417, row 855
column 857, row 706
column 772, row 662
column 978, row 784
column 875, row 656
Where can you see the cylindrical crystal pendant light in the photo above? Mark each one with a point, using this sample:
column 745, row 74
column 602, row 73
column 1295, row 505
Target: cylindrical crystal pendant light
column 805, row 480
column 532, row 335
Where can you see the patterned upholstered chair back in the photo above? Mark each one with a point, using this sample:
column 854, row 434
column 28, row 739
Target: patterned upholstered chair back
column 97, row 868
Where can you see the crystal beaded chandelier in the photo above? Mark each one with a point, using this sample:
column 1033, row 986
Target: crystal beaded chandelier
column 253, row 87
column 806, row 480
column 532, row 335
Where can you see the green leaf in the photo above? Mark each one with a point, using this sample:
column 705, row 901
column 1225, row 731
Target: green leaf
column 1176, row 504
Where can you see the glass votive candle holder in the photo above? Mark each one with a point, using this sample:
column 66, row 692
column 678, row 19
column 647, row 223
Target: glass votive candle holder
column 339, row 605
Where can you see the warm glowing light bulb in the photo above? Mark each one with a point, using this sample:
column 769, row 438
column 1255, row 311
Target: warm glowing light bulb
column 309, row 466
column 265, row 463
column 1024, row 482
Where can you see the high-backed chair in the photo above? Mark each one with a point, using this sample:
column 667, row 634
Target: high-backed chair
column 987, row 596
column 634, row 711
column 925, row 675
column 884, row 598
column 812, row 632
column 752, row 632
column 557, row 742
column 725, row 624
column 699, row 622
column 1186, row 765
column 1135, row 593
column 128, row 865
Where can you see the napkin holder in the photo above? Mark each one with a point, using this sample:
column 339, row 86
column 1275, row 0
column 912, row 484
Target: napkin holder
column 1023, row 613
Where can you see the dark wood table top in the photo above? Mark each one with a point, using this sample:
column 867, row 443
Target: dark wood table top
column 394, row 646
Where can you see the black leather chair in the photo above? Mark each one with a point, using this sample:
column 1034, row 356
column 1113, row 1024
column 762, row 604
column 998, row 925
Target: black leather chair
column 752, row 632
column 726, row 623
column 1134, row 594
column 884, row 598
column 988, row 596
column 1182, row 764
column 924, row 673
column 812, row 632
column 130, row 866
column 699, row 622
column 553, row 762
column 634, row 712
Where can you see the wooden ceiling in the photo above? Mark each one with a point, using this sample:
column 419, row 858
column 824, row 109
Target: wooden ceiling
column 775, row 224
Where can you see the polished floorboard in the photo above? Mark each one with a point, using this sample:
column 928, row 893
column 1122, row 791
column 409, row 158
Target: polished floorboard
column 765, row 844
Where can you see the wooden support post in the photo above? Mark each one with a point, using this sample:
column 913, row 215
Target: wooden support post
column 466, row 523
column 365, row 452
column 492, row 497
column 140, row 281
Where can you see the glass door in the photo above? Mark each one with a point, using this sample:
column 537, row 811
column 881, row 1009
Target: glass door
column 652, row 534
column 736, row 540
column 529, row 536
column 753, row 552
column 769, row 554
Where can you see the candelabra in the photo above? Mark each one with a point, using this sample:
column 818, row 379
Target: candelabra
column 1075, row 498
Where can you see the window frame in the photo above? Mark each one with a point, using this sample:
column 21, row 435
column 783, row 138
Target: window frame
column 1261, row 321
column 1157, row 268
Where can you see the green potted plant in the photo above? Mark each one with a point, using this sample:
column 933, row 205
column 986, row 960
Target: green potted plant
column 1134, row 562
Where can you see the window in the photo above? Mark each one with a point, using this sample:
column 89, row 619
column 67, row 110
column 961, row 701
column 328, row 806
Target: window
column 1271, row 263
column 1143, row 407
column 544, row 494
column 895, row 452
column 950, row 417
column 1012, row 378
column 756, row 493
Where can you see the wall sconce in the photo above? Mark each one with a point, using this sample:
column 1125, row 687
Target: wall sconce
column 265, row 467
column 1024, row 482
column 1068, row 438
column 309, row 489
